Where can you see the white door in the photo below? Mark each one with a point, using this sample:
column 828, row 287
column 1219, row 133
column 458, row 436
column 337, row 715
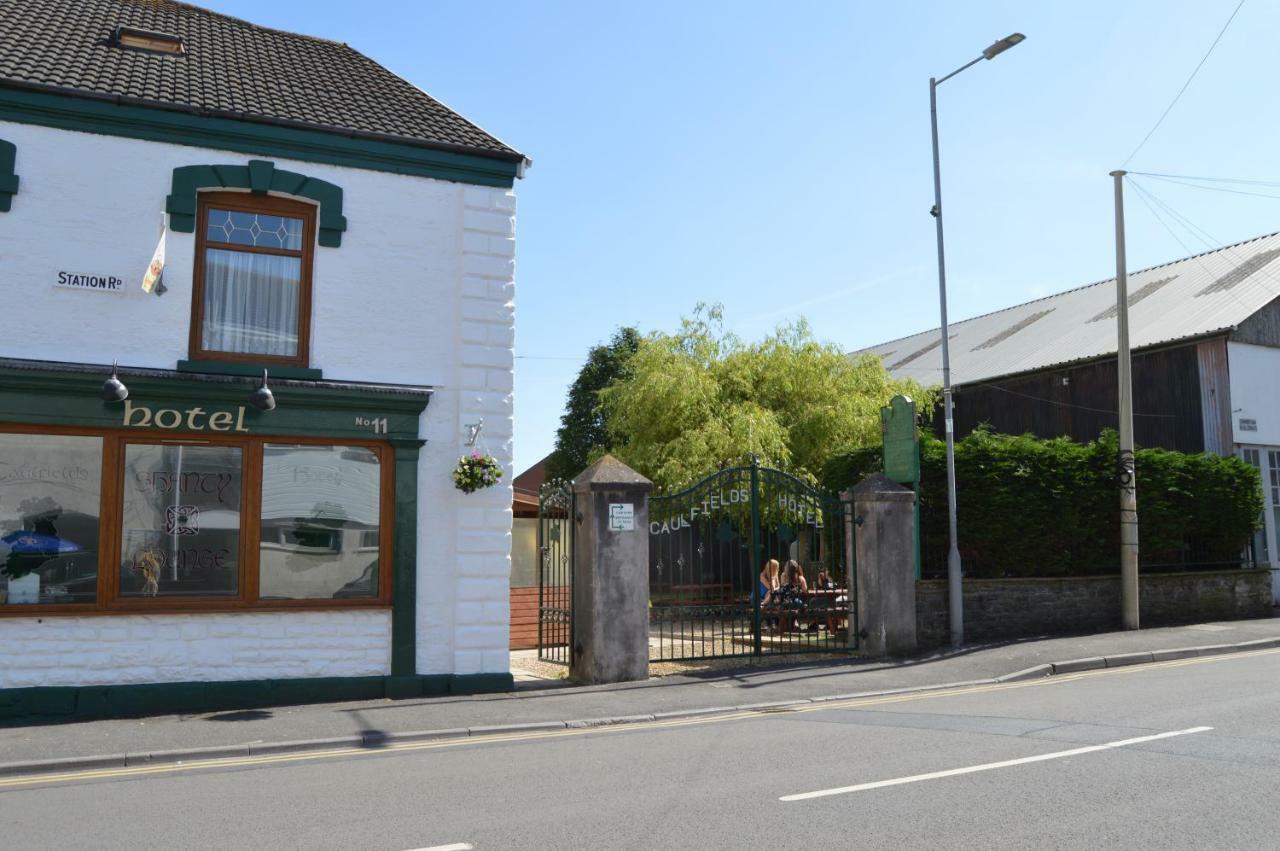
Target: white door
column 1267, row 462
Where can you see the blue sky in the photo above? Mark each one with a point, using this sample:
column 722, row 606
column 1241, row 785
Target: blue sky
column 775, row 157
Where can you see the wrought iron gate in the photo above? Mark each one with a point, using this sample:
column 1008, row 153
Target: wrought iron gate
column 708, row 546
column 555, row 572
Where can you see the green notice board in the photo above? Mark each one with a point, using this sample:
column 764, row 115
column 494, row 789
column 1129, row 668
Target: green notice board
column 901, row 440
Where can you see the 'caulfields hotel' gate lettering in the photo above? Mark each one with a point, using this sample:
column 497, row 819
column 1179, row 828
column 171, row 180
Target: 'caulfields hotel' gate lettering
column 812, row 516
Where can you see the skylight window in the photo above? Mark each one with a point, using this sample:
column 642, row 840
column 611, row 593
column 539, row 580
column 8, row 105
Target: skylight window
column 1013, row 329
column 1134, row 298
column 918, row 353
column 132, row 38
column 1239, row 273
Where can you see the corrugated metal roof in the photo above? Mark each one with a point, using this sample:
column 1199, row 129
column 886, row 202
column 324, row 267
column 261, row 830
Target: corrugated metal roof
column 1187, row 298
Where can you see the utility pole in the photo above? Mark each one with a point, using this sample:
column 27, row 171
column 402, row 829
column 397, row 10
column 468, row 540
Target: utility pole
column 1125, row 472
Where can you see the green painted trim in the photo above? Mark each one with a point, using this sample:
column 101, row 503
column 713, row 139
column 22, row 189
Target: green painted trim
column 259, row 177
column 179, row 128
column 32, row 705
column 404, row 566
column 481, row 683
column 53, row 397
column 218, row 367
column 8, row 175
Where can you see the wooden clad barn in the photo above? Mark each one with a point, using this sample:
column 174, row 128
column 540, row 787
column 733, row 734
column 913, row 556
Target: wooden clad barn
column 1205, row 332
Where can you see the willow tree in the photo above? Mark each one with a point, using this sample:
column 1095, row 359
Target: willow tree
column 701, row 399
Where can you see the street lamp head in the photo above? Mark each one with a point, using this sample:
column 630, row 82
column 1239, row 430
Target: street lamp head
column 1002, row 45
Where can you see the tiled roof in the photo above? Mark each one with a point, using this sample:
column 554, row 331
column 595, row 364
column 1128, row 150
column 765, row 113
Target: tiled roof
column 1197, row 296
column 231, row 68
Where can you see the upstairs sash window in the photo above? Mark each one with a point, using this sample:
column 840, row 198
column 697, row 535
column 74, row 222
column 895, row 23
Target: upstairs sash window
column 252, row 299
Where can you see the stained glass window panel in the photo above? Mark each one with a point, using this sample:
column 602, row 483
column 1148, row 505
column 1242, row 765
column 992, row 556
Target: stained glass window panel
column 260, row 230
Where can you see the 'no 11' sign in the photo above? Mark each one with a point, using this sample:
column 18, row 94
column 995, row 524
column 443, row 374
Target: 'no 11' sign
column 901, row 440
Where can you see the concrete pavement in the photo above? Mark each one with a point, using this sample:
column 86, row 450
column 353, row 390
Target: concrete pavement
column 1179, row 754
column 375, row 723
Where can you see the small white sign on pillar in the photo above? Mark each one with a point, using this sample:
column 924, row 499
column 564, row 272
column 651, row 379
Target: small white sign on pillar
column 622, row 517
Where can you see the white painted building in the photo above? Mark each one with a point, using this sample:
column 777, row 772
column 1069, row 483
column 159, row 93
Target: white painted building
column 322, row 220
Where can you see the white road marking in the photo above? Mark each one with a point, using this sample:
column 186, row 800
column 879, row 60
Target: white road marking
column 457, row 846
column 935, row 775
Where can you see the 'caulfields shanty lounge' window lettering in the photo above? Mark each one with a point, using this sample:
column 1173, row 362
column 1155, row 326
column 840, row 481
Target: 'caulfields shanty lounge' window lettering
column 180, row 534
column 192, row 419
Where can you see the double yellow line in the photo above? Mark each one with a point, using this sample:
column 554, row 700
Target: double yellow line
column 439, row 744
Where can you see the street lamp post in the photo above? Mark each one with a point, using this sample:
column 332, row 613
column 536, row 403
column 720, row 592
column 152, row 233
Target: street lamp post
column 954, row 591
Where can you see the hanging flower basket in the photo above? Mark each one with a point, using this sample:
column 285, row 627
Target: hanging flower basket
column 476, row 471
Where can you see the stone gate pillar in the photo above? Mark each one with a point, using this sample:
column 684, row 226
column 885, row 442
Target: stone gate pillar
column 611, row 574
column 886, row 557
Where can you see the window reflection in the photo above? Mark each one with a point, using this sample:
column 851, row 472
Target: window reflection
column 320, row 514
column 49, row 504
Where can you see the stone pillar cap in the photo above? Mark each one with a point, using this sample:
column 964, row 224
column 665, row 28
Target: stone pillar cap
column 881, row 488
column 611, row 474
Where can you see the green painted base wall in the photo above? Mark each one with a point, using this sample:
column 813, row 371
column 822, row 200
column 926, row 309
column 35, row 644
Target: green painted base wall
column 35, row 705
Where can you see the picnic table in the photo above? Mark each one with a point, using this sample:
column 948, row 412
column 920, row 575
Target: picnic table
column 829, row 606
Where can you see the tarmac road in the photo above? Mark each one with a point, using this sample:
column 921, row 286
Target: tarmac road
column 1191, row 760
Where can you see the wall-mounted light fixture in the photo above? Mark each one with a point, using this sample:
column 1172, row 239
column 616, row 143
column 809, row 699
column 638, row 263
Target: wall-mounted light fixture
column 113, row 389
column 262, row 398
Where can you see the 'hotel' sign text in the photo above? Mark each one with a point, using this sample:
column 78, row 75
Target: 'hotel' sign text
column 193, row 419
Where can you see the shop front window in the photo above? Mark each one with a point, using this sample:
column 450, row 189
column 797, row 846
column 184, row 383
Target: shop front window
column 180, row 531
column 129, row 521
column 50, row 499
column 320, row 517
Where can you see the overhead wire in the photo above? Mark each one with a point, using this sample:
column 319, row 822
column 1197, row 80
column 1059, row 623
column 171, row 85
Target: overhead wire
column 1199, row 233
column 1185, row 85
column 1207, row 179
column 1210, row 188
column 1262, row 277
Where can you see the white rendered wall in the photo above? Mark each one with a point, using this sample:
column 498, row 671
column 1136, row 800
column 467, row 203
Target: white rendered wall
column 101, row 650
column 1255, row 392
column 420, row 293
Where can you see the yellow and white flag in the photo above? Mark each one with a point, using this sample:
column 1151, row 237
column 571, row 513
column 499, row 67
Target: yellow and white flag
column 156, row 269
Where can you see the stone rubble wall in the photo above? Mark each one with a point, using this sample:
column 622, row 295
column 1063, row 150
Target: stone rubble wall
column 996, row 609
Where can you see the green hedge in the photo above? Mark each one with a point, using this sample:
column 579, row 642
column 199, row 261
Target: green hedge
column 1030, row 507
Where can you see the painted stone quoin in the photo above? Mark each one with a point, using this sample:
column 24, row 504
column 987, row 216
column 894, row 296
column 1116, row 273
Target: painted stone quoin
column 245, row 464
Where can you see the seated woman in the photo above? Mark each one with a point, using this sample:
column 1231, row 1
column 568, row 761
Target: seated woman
column 770, row 589
column 793, row 578
column 794, row 591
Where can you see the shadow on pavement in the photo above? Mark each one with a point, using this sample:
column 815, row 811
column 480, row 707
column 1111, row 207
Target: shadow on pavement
column 241, row 715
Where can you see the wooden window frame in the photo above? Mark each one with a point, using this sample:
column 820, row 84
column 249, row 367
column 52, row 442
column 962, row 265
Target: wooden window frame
column 111, row 520
column 245, row 202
